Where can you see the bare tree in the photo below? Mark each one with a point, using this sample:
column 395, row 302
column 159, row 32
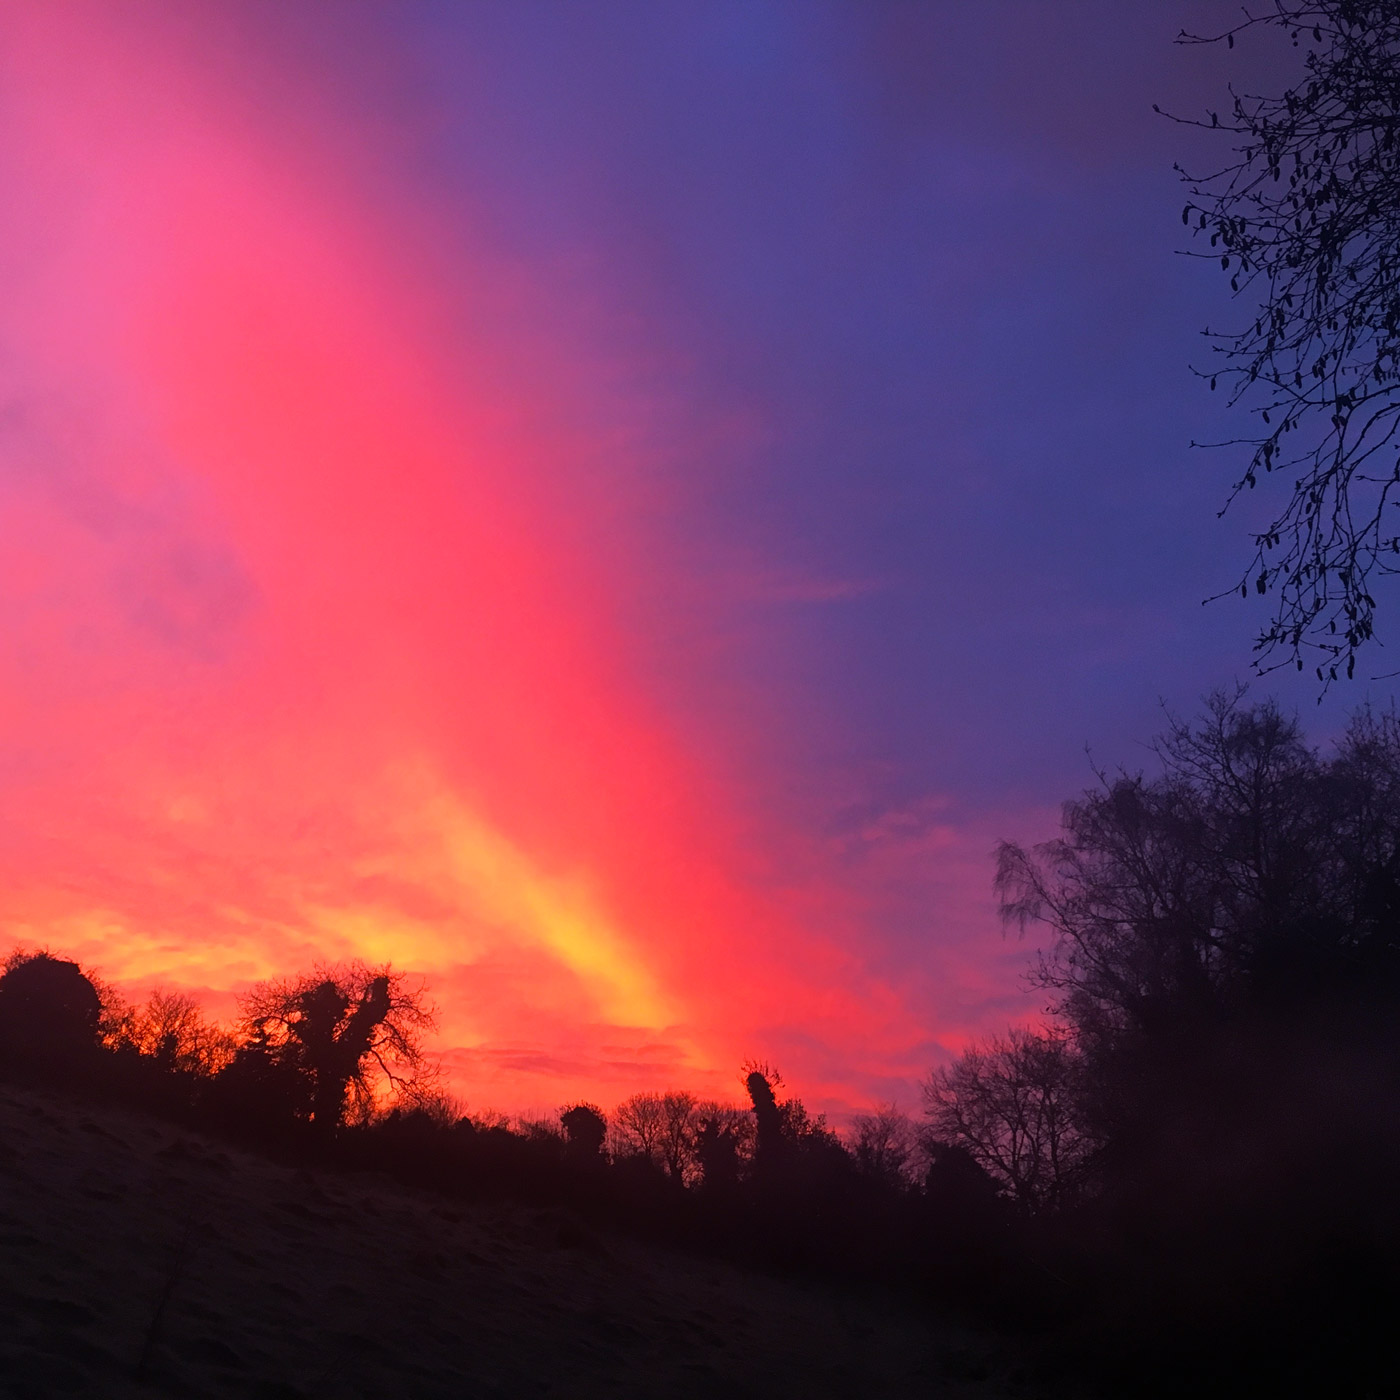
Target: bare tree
column 885, row 1145
column 171, row 1027
column 1010, row 1103
column 660, row 1127
column 1305, row 220
column 352, row 1033
column 639, row 1125
column 680, row 1111
column 1212, row 918
column 1170, row 896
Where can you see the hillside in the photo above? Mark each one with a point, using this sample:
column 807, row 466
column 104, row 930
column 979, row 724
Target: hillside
column 122, row 1237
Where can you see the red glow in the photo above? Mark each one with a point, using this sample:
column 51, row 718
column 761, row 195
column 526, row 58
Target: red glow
column 303, row 656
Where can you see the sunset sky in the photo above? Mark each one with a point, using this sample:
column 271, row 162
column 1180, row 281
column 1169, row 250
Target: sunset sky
column 615, row 508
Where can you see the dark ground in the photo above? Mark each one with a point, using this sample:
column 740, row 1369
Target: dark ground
column 137, row 1259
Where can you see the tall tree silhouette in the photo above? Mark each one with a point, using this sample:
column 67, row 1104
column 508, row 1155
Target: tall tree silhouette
column 761, row 1082
column 1220, row 925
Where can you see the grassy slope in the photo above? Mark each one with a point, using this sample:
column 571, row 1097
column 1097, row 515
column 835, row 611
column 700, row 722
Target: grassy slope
column 282, row 1283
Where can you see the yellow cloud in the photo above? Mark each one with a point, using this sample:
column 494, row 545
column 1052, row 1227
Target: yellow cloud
column 464, row 862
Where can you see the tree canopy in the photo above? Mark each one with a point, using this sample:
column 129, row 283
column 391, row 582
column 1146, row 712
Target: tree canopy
column 1010, row 1103
column 1219, row 928
column 49, row 1008
column 332, row 1041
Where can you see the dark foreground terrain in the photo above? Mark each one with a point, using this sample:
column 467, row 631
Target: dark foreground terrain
column 138, row 1259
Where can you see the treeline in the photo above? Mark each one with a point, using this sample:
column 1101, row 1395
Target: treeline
column 329, row 1069
column 1204, row 1133
column 1186, row 1172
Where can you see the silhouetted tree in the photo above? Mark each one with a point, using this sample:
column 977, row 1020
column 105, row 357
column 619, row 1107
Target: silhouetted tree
column 717, row 1147
column 1305, row 220
column 809, row 1133
column 50, row 1012
column 585, row 1131
column 679, row 1109
column 348, row 1034
column 639, row 1124
column 957, row 1183
column 1011, row 1104
column 884, row 1145
column 965, row 1220
column 795, row 1154
column 171, row 1029
column 1159, row 889
column 1221, row 931
column 261, row 1090
column 659, row 1127
column 761, row 1082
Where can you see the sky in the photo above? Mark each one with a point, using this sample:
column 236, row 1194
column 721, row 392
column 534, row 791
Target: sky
column 614, row 509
